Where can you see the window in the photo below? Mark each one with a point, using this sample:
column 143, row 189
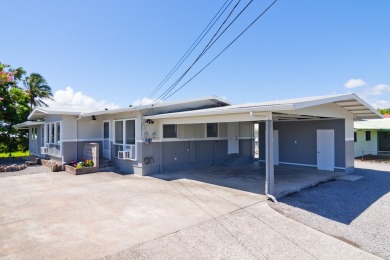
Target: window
column 34, row 133
column 130, row 132
column 368, row 136
column 354, row 137
column 52, row 133
column 124, row 131
column 42, row 136
column 58, row 132
column 212, row 130
column 48, row 133
column 119, row 132
column 170, row 131
column 106, row 130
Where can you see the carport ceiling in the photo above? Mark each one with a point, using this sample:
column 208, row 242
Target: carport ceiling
column 292, row 117
column 359, row 110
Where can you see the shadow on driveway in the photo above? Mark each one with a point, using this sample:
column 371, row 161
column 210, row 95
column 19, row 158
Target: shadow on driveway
column 343, row 201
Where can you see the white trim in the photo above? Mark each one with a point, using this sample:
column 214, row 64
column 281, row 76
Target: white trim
column 299, row 164
column 82, row 140
column 340, row 168
column 349, row 139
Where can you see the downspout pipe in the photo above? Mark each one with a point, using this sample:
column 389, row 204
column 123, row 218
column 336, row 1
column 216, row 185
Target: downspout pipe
column 77, row 137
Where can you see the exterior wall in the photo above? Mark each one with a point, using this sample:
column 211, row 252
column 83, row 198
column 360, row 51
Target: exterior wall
column 370, row 147
column 89, row 129
column 298, row 141
column 192, row 154
column 180, row 155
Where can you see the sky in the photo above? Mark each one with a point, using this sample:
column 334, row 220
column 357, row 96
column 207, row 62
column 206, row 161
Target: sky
column 109, row 54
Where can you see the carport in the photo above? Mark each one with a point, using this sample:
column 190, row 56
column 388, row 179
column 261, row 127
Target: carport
column 315, row 133
column 288, row 178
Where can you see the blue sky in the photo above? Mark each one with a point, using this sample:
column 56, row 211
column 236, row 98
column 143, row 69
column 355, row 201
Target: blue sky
column 112, row 53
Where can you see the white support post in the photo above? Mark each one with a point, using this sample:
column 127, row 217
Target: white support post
column 269, row 157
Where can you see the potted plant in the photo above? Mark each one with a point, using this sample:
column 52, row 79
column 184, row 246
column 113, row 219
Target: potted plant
column 81, row 167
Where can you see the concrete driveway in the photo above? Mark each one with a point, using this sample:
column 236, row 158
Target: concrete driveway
column 61, row 216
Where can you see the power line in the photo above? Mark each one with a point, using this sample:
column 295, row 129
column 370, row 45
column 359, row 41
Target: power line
column 193, row 46
column 219, row 54
column 206, row 48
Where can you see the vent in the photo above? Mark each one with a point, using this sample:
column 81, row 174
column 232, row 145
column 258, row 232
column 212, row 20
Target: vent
column 44, row 150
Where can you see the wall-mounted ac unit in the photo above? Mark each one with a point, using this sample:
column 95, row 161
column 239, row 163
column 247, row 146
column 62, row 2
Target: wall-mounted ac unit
column 44, row 150
column 124, row 155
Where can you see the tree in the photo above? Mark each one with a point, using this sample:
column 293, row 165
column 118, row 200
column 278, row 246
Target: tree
column 384, row 111
column 36, row 89
column 13, row 108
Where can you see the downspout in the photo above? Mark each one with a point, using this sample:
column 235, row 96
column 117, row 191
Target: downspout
column 77, row 137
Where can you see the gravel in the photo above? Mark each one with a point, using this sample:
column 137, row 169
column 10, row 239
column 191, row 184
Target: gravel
column 28, row 170
column 357, row 212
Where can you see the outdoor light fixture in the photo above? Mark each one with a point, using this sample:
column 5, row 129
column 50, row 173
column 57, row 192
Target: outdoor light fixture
column 93, row 118
column 149, row 122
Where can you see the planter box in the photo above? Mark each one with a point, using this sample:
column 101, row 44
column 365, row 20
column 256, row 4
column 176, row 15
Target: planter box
column 83, row 170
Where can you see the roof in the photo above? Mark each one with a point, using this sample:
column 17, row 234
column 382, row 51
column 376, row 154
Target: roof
column 351, row 102
column 377, row 124
column 27, row 124
column 40, row 112
column 167, row 107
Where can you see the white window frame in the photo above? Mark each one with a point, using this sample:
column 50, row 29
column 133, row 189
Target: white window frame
column 170, row 138
column 124, row 135
column 213, row 137
column 48, row 135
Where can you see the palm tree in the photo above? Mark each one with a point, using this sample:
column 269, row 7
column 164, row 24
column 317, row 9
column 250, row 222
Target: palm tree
column 36, row 88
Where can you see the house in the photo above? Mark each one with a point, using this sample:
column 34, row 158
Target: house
column 372, row 136
column 315, row 132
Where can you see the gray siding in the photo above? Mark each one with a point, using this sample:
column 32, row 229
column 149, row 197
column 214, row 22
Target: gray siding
column 181, row 155
column 298, row 141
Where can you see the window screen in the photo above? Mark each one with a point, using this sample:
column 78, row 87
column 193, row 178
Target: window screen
column 212, row 130
column 119, row 132
column 169, row 131
column 106, row 130
column 130, row 132
column 354, row 137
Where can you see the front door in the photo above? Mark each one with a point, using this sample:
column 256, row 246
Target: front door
column 325, row 150
column 106, row 140
column 233, row 138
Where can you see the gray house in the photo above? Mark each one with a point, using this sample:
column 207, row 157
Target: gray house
column 315, row 132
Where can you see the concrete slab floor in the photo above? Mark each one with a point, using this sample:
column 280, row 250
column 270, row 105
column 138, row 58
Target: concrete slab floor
column 251, row 178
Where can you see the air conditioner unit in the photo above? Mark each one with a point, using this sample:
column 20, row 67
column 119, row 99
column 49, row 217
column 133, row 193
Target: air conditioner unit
column 124, row 155
column 44, row 150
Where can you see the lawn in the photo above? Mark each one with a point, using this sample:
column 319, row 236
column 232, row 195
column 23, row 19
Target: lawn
column 15, row 154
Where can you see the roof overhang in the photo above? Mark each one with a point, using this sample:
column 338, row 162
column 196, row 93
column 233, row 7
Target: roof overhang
column 350, row 102
column 39, row 113
column 27, row 124
column 195, row 103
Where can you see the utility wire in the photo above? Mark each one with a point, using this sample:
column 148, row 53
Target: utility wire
column 193, row 46
column 219, row 54
column 205, row 49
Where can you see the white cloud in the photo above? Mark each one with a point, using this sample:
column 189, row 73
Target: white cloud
column 77, row 100
column 380, row 89
column 381, row 104
column 355, row 83
column 143, row 102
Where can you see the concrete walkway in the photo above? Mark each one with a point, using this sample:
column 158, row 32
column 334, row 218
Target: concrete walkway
column 255, row 232
column 62, row 216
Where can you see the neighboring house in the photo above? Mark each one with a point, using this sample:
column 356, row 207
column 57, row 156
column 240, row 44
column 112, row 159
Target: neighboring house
column 315, row 131
column 372, row 136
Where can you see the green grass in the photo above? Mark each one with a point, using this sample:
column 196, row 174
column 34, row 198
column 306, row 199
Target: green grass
column 15, row 154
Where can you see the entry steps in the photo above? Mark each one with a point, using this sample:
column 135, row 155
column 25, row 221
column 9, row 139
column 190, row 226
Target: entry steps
column 106, row 164
column 236, row 160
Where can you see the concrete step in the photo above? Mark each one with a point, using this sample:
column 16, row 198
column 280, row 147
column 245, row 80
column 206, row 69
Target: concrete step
column 236, row 160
